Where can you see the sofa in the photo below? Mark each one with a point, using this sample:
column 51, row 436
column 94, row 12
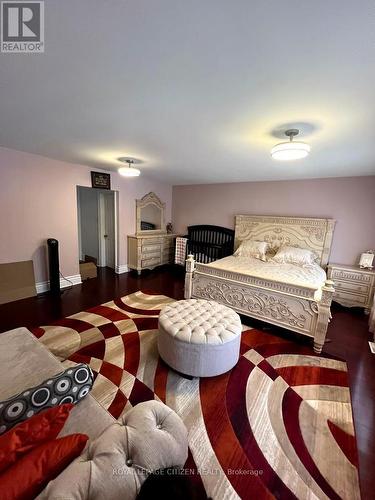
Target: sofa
column 119, row 454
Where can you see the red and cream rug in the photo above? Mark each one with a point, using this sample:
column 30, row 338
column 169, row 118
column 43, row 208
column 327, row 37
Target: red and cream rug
column 278, row 425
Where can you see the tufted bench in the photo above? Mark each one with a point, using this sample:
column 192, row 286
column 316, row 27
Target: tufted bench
column 199, row 337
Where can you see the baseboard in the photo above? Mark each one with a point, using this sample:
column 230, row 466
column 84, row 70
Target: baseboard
column 121, row 269
column 43, row 286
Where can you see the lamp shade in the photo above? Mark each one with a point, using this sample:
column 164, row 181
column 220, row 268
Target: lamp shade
column 129, row 171
column 291, row 150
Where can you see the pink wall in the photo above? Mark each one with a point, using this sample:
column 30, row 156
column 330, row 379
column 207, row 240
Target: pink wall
column 38, row 200
column 349, row 200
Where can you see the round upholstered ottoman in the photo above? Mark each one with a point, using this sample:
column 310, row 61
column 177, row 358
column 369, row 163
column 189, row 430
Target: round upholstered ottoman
column 198, row 337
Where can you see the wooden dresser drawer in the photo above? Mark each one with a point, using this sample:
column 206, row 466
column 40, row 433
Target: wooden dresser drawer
column 350, row 298
column 151, row 241
column 358, row 288
column 343, row 275
column 354, row 287
column 151, row 255
column 146, row 249
column 154, row 261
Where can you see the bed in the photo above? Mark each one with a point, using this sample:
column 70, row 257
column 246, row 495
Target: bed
column 293, row 297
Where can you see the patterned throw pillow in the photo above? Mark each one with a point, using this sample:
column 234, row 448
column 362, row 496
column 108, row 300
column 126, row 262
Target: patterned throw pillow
column 70, row 386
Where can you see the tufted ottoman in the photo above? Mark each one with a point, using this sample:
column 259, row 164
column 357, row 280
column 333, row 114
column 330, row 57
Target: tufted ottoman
column 199, row 337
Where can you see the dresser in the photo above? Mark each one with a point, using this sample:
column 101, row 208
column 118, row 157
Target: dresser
column 354, row 287
column 150, row 251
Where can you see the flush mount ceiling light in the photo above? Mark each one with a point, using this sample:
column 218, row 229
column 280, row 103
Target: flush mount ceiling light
column 291, row 150
column 129, row 171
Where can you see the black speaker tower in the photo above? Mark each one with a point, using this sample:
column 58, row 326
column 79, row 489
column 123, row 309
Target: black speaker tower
column 54, row 267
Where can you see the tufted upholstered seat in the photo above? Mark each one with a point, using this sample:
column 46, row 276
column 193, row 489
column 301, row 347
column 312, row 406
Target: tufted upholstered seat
column 199, row 337
column 150, row 436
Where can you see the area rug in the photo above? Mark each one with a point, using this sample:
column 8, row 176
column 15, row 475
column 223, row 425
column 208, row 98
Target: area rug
column 278, row 425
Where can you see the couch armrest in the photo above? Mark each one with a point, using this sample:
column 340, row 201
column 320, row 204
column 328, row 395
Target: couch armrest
column 150, row 436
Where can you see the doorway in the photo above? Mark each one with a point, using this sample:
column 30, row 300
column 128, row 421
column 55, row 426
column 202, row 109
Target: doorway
column 97, row 226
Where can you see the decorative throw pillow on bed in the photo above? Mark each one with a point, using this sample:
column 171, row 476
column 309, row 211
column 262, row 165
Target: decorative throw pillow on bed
column 252, row 248
column 70, row 386
column 294, row 255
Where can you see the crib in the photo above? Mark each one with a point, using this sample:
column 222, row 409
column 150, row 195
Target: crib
column 208, row 243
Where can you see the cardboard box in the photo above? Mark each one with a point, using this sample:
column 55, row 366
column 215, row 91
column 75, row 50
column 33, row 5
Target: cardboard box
column 88, row 270
column 17, row 281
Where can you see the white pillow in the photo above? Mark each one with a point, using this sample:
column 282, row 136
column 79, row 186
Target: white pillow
column 252, row 248
column 294, row 255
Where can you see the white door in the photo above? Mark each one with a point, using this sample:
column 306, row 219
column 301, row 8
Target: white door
column 107, row 204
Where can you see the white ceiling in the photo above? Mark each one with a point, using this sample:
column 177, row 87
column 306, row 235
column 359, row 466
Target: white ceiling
column 200, row 89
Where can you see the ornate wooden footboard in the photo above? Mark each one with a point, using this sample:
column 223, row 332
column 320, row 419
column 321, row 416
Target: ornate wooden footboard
column 291, row 307
column 297, row 308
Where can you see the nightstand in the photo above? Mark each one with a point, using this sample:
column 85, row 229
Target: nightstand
column 354, row 287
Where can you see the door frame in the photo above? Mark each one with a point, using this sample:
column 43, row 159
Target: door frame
column 101, row 216
column 80, row 253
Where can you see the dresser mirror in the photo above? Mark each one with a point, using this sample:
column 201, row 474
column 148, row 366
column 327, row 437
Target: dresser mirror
column 150, row 215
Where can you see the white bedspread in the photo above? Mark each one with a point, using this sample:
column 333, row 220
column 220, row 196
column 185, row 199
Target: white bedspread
column 312, row 276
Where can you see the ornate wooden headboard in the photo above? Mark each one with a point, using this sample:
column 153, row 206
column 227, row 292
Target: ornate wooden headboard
column 303, row 232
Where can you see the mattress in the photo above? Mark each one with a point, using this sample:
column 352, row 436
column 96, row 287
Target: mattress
column 312, row 276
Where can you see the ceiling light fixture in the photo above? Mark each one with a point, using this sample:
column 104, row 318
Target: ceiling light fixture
column 291, row 150
column 129, row 171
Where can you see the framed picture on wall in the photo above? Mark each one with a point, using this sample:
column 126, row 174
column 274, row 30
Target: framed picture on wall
column 366, row 260
column 100, row 180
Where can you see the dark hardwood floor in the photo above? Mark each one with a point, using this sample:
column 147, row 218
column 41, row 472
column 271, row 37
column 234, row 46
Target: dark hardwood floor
column 348, row 334
column 43, row 309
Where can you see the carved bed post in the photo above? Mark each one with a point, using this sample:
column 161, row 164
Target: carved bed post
column 190, row 265
column 324, row 316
